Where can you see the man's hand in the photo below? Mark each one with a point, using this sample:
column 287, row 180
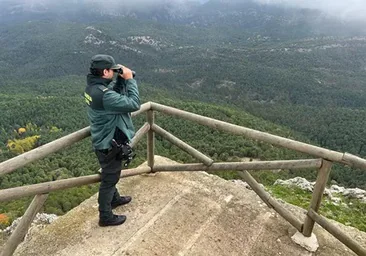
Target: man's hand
column 127, row 73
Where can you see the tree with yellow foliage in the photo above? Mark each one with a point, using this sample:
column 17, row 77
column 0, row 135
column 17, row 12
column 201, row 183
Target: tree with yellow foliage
column 21, row 130
column 32, row 127
column 4, row 220
column 54, row 129
column 22, row 145
column 15, row 147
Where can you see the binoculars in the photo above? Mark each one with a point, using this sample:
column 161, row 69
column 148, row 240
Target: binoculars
column 120, row 71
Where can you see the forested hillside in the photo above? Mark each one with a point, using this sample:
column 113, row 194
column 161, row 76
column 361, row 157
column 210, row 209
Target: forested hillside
column 291, row 72
column 52, row 117
column 322, row 78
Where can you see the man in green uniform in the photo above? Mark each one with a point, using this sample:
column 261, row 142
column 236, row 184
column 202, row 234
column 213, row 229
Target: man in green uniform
column 109, row 106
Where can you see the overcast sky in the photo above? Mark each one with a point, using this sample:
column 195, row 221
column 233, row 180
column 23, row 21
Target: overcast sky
column 346, row 9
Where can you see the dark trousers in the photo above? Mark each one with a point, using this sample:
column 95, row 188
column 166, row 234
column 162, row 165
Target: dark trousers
column 111, row 172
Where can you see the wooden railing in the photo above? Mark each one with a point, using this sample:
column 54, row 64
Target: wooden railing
column 324, row 161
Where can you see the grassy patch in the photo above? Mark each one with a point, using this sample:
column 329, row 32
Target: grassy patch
column 292, row 195
column 350, row 212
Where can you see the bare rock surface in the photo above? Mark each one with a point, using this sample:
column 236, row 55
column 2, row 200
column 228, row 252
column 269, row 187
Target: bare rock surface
column 306, row 185
column 40, row 221
column 180, row 214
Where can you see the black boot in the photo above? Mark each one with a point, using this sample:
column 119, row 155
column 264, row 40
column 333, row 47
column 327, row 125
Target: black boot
column 122, row 200
column 114, row 221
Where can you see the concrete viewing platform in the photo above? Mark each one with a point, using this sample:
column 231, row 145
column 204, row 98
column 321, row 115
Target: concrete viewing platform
column 181, row 214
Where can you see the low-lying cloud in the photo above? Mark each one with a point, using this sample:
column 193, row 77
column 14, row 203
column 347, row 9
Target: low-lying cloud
column 344, row 9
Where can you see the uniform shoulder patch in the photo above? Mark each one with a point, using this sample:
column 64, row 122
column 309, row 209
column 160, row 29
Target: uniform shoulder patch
column 103, row 88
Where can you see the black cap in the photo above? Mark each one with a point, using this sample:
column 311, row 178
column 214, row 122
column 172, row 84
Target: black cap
column 102, row 61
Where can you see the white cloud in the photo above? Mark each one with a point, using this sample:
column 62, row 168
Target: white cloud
column 345, row 9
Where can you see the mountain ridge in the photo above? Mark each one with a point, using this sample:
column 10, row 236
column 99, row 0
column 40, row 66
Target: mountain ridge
column 249, row 14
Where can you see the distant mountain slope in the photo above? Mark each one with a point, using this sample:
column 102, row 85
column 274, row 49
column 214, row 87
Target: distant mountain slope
column 174, row 56
column 217, row 53
column 279, row 80
column 246, row 16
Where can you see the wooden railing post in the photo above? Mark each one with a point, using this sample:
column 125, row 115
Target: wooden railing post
column 149, row 127
column 150, row 140
column 182, row 145
column 349, row 241
column 21, row 230
column 321, row 182
column 272, row 203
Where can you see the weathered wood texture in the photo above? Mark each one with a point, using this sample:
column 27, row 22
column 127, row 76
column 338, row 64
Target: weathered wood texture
column 144, row 107
column 42, row 188
column 271, row 202
column 337, row 233
column 139, row 134
column 265, row 137
column 43, row 151
column 52, row 147
column 182, row 145
column 150, row 140
column 149, row 128
column 21, row 230
column 321, row 182
column 354, row 161
column 265, row 165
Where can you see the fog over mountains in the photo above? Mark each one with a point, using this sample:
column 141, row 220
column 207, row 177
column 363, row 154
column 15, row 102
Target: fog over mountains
column 268, row 17
column 346, row 10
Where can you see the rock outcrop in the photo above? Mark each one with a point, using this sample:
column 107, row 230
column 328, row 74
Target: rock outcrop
column 181, row 214
column 306, row 185
column 39, row 222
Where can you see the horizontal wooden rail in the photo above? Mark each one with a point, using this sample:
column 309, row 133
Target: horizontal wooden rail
column 265, row 165
column 337, row 233
column 52, row 147
column 42, row 188
column 43, row 151
column 353, row 161
column 208, row 165
column 270, row 201
column 265, row 137
column 182, row 145
column 144, row 107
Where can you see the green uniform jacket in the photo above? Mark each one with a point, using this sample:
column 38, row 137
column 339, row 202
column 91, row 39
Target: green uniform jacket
column 109, row 106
